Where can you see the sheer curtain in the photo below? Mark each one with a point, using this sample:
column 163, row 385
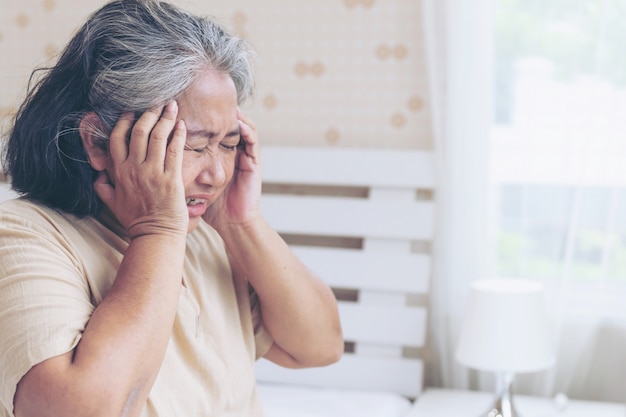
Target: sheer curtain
column 529, row 102
column 459, row 62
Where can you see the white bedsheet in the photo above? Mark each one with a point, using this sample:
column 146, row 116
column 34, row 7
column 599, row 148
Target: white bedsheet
column 290, row 401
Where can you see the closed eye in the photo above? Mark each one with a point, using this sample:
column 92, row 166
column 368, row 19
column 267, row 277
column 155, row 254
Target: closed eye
column 197, row 150
column 204, row 148
column 228, row 147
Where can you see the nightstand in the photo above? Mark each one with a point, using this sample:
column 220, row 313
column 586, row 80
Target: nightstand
column 453, row 403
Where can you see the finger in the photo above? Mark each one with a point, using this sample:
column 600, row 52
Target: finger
column 118, row 139
column 161, row 133
column 174, row 156
column 140, row 135
column 241, row 116
column 247, row 129
column 249, row 139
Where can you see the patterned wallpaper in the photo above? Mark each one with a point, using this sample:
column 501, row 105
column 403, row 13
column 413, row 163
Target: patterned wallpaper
column 331, row 72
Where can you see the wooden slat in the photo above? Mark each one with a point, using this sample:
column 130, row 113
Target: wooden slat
column 403, row 376
column 390, row 218
column 358, row 269
column 383, row 325
column 349, row 217
column 350, row 167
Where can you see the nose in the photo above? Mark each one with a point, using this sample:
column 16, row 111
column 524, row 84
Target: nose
column 213, row 171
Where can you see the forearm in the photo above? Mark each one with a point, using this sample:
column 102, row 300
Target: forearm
column 299, row 310
column 118, row 357
column 132, row 326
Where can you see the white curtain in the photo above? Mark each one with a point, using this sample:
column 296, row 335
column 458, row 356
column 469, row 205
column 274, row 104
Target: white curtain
column 561, row 172
column 457, row 36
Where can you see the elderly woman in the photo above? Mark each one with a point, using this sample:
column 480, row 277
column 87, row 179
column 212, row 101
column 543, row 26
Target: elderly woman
column 137, row 274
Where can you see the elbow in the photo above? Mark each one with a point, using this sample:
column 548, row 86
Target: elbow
column 330, row 352
column 334, row 347
column 333, row 353
column 319, row 358
column 311, row 355
column 49, row 389
column 59, row 405
column 329, row 359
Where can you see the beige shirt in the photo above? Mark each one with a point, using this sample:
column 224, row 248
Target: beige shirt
column 54, row 271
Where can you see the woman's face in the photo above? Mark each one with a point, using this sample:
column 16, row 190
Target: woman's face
column 209, row 109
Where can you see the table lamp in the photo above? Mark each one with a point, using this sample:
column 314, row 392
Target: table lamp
column 505, row 331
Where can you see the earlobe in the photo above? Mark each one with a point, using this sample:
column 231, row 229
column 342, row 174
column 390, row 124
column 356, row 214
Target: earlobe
column 95, row 147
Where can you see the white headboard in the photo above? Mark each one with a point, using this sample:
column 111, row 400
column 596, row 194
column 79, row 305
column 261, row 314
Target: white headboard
column 362, row 219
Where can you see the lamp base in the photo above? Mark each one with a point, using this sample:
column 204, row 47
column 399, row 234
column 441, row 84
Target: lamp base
column 503, row 404
column 501, row 409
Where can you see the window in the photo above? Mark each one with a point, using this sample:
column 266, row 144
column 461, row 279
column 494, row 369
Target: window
column 558, row 143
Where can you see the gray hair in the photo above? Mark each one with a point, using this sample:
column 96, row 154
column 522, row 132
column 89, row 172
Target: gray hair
column 150, row 52
column 130, row 55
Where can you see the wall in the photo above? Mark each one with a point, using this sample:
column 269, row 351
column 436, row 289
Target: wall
column 331, row 72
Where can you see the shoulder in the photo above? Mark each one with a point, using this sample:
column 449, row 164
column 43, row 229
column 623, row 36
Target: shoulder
column 26, row 213
column 23, row 220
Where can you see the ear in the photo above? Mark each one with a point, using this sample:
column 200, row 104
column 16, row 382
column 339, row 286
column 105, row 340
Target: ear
column 95, row 147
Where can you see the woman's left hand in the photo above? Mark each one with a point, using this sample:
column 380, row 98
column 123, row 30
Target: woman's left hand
column 239, row 204
column 298, row 309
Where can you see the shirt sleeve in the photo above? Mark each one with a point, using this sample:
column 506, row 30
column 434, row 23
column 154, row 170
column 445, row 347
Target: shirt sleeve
column 44, row 298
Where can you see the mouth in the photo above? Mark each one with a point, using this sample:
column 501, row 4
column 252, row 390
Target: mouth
column 195, row 201
column 196, row 206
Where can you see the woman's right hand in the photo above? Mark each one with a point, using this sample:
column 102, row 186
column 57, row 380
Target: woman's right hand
column 142, row 184
column 113, row 368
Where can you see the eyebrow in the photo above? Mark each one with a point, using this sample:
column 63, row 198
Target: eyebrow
column 209, row 134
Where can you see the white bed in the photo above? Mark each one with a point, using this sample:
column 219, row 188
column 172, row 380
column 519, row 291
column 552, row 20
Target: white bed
column 362, row 219
column 298, row 401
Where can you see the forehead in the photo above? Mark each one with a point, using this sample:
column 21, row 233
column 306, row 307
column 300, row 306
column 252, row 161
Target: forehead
column 209, row 102
column 212, row 83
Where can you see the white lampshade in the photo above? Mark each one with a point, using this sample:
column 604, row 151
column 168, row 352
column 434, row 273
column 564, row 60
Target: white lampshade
column 506, row 328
